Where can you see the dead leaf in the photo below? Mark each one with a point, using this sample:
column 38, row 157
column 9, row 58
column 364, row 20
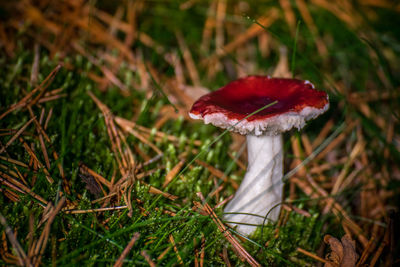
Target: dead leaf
column 343, row 252
column 91, row 185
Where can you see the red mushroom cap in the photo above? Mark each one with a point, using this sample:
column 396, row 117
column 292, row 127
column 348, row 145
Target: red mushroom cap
column 297, row 103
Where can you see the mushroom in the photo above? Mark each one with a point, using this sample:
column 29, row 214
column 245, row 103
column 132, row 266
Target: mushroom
column 296, row 102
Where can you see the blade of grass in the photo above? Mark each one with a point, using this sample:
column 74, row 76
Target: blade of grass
column 295, row 47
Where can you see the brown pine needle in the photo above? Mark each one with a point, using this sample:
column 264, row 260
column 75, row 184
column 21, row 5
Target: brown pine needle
column 252, row 32
column 21, row 255
column 13, row 161
column 17, row 134
column 143, row 139
column 203, row 250
column 305, row 13
column 127, row 249
column 42, row 134
column 209, row 25
column 172, row 173
column 339, row 139
column 36, row 160
column 312, row 255
column 388, row 241
column 220, row 25
column 69, row 211
column 161, row 256
column 315, row 191
column 41, row 140
column 148, row 258
column 341, row 214
column 42, row 241
column 172, row 240
column 51, row 98
column 372, row 95
column 16, row 185
column 157, row 191
column 237, row 247
column 289, row 15
column 124, row 123
column 356, row 151
column 187, row 57
column 112, row 133
column 219, row 174
column 10, row 194
column 27, row 100
column 225, row 257
column 377, row 254
column 366, row 252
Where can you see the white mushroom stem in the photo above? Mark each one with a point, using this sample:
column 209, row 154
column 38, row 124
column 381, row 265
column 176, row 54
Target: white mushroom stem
column 261, row 188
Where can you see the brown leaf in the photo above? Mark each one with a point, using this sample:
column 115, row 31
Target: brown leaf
column 91, row 185
column 343, row 252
